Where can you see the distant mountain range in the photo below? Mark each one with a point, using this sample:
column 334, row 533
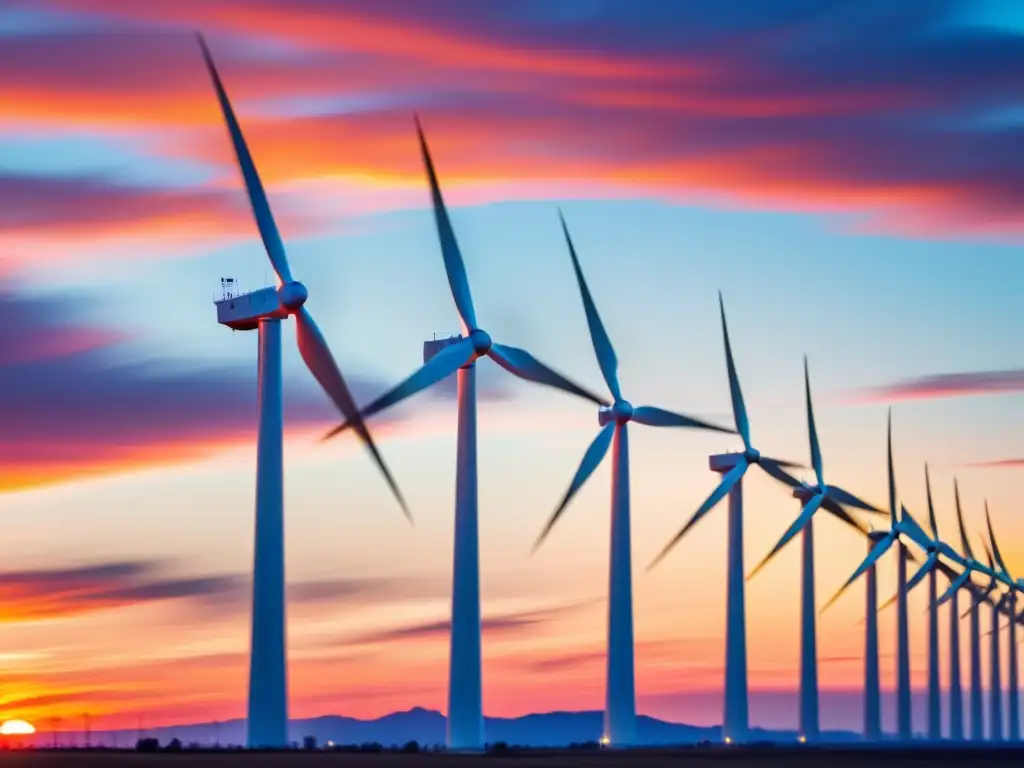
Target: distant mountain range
column 427, row 727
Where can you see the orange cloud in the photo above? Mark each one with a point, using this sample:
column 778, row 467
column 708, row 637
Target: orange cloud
column 618, row 106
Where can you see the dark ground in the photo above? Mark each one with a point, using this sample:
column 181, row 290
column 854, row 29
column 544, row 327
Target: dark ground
column 697, row 757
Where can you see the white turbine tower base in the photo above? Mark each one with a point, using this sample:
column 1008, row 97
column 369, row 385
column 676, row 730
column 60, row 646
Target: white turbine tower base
column 465, row 682
column 872, row 683
column 268, row 677
column 736, row 706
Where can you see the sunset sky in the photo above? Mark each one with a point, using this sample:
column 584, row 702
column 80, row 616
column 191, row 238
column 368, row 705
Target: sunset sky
column 850, row 173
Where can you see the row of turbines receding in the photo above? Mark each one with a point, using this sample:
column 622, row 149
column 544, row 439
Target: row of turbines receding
column 268, row 689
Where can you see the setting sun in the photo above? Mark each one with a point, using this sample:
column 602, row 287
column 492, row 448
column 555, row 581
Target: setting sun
column 16, row 728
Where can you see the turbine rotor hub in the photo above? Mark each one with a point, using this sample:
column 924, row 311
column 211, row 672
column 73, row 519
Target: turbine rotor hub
column 292, row 295
column 621, row 411
column 752, row 455
column 481, row 341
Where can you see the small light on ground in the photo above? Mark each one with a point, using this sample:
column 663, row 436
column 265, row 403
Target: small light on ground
column 803, row 739
column 728, row 740
column 330, row 743
column 605, row 741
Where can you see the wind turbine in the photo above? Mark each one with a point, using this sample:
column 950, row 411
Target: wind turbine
column 902, row 526
column 995, row 711
column 1013, row 699
column 620, row 702
column 465, row 707
column 733, row 466
column 831, row 498
column 264, row 309
column 971, row 566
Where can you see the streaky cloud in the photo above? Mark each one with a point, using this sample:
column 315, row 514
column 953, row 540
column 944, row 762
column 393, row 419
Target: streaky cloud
column 942, row 385
column 738, row 107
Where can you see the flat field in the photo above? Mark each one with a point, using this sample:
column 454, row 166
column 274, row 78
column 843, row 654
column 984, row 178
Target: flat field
column 696, row 757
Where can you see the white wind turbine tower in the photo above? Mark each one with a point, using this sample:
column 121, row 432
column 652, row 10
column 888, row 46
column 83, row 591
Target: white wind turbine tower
column 264, row 310
column 934, row 683
column 995, row 709
column 831, row 498
column 1009, row 603
column 620, row 701
column 733, row 466
column 465, row 705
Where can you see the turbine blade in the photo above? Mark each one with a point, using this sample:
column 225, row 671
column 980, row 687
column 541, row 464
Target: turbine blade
column 798, row 525
column 947, row 570
column 848, row 499
column 257, row 196
column 918, row 577
column 521, row 363
column 812, row 430
column 659, row 417
column 833, row 508
column 774, row 468
column 995, row 544
column 912, row 528
column 443, row 364
column 892, row 477
column 932, row 523
column 957, row 584
column 888, row 602
column 784, row 463
column 603, row 348
column 454, row 266
column 591, row 460
column 876, row 552
column 317, row 356
column 979, row 598
column 965, row 542
column 739, row 409
column 910, row 554
column 728, row 481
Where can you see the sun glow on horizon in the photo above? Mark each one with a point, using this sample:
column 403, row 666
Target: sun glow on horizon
column 17, row 728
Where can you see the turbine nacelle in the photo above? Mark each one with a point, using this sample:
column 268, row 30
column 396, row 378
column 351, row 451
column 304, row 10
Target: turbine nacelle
column 752, row 455
column 620, row 412
column 292, row 295
column 806, row 492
